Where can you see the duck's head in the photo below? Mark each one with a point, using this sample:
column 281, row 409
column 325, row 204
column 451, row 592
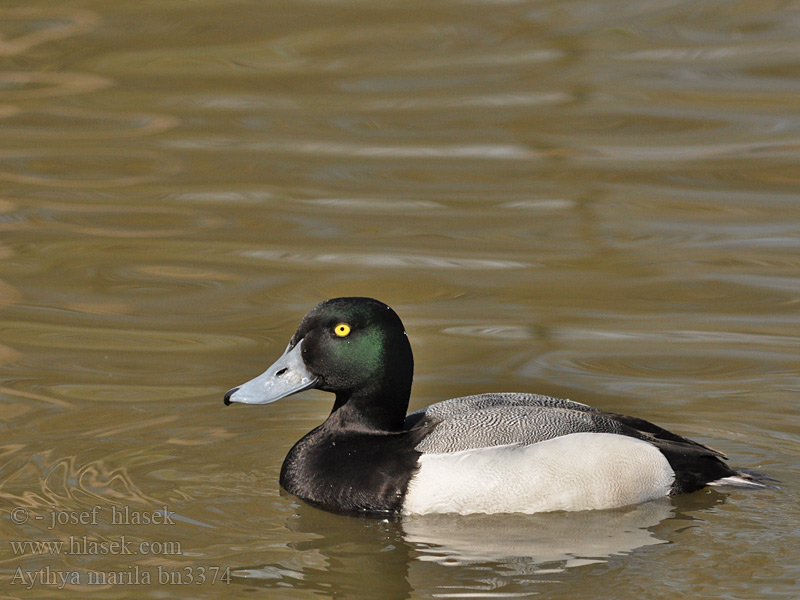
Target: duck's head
column 356, row 348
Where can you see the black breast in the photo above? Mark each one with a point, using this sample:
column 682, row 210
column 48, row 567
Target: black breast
column 352, row 471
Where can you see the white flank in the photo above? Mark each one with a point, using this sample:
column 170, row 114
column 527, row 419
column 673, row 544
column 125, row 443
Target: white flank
column 580, row 471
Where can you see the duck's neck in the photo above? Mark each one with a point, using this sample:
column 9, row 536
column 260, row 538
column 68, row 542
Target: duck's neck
column 380, row 410
column 378, row 402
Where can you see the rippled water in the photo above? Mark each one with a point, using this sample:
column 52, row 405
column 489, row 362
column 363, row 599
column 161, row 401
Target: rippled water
column 595, row 200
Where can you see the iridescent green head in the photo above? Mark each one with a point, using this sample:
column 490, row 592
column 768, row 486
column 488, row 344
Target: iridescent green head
column 356, row 348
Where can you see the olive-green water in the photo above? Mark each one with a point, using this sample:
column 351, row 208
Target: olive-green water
column 593, row 200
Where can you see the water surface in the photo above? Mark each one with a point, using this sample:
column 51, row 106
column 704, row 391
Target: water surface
column 593, row 200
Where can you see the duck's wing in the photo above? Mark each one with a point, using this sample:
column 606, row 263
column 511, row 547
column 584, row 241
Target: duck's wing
column 489, row 420
column 470, row 404
column 500, row 426
column 654, row 432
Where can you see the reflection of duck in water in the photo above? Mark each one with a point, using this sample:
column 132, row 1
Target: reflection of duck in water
column 569, row 539
column 479, row 454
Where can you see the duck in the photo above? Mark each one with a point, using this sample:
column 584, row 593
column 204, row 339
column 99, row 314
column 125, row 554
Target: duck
column 486, row 453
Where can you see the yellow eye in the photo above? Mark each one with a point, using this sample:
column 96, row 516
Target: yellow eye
column 342, row 330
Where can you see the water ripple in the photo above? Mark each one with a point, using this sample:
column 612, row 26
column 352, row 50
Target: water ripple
column 497, row 100
column 726, row 53
column 97, row 168
column 8, row 293
column 45, row 25
column 683, row 152
column 386, row 260
column 127, row 393
column 678, row 336
column 114, row 220
column 61, row 335
column 25, row 85
column 332, row 148
column 59, row 122
column 51, row 483
column 38, row 397
column 501, row 332
column 376, row 204
column 700, row 370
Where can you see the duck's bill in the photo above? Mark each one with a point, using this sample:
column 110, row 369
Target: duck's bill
column 287, row 376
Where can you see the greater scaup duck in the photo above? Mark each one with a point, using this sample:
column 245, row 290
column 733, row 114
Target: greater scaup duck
column 488, row 453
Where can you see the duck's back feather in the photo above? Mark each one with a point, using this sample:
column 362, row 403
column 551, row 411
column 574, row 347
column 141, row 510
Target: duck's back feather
column 501, row 425
column 508, row 418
